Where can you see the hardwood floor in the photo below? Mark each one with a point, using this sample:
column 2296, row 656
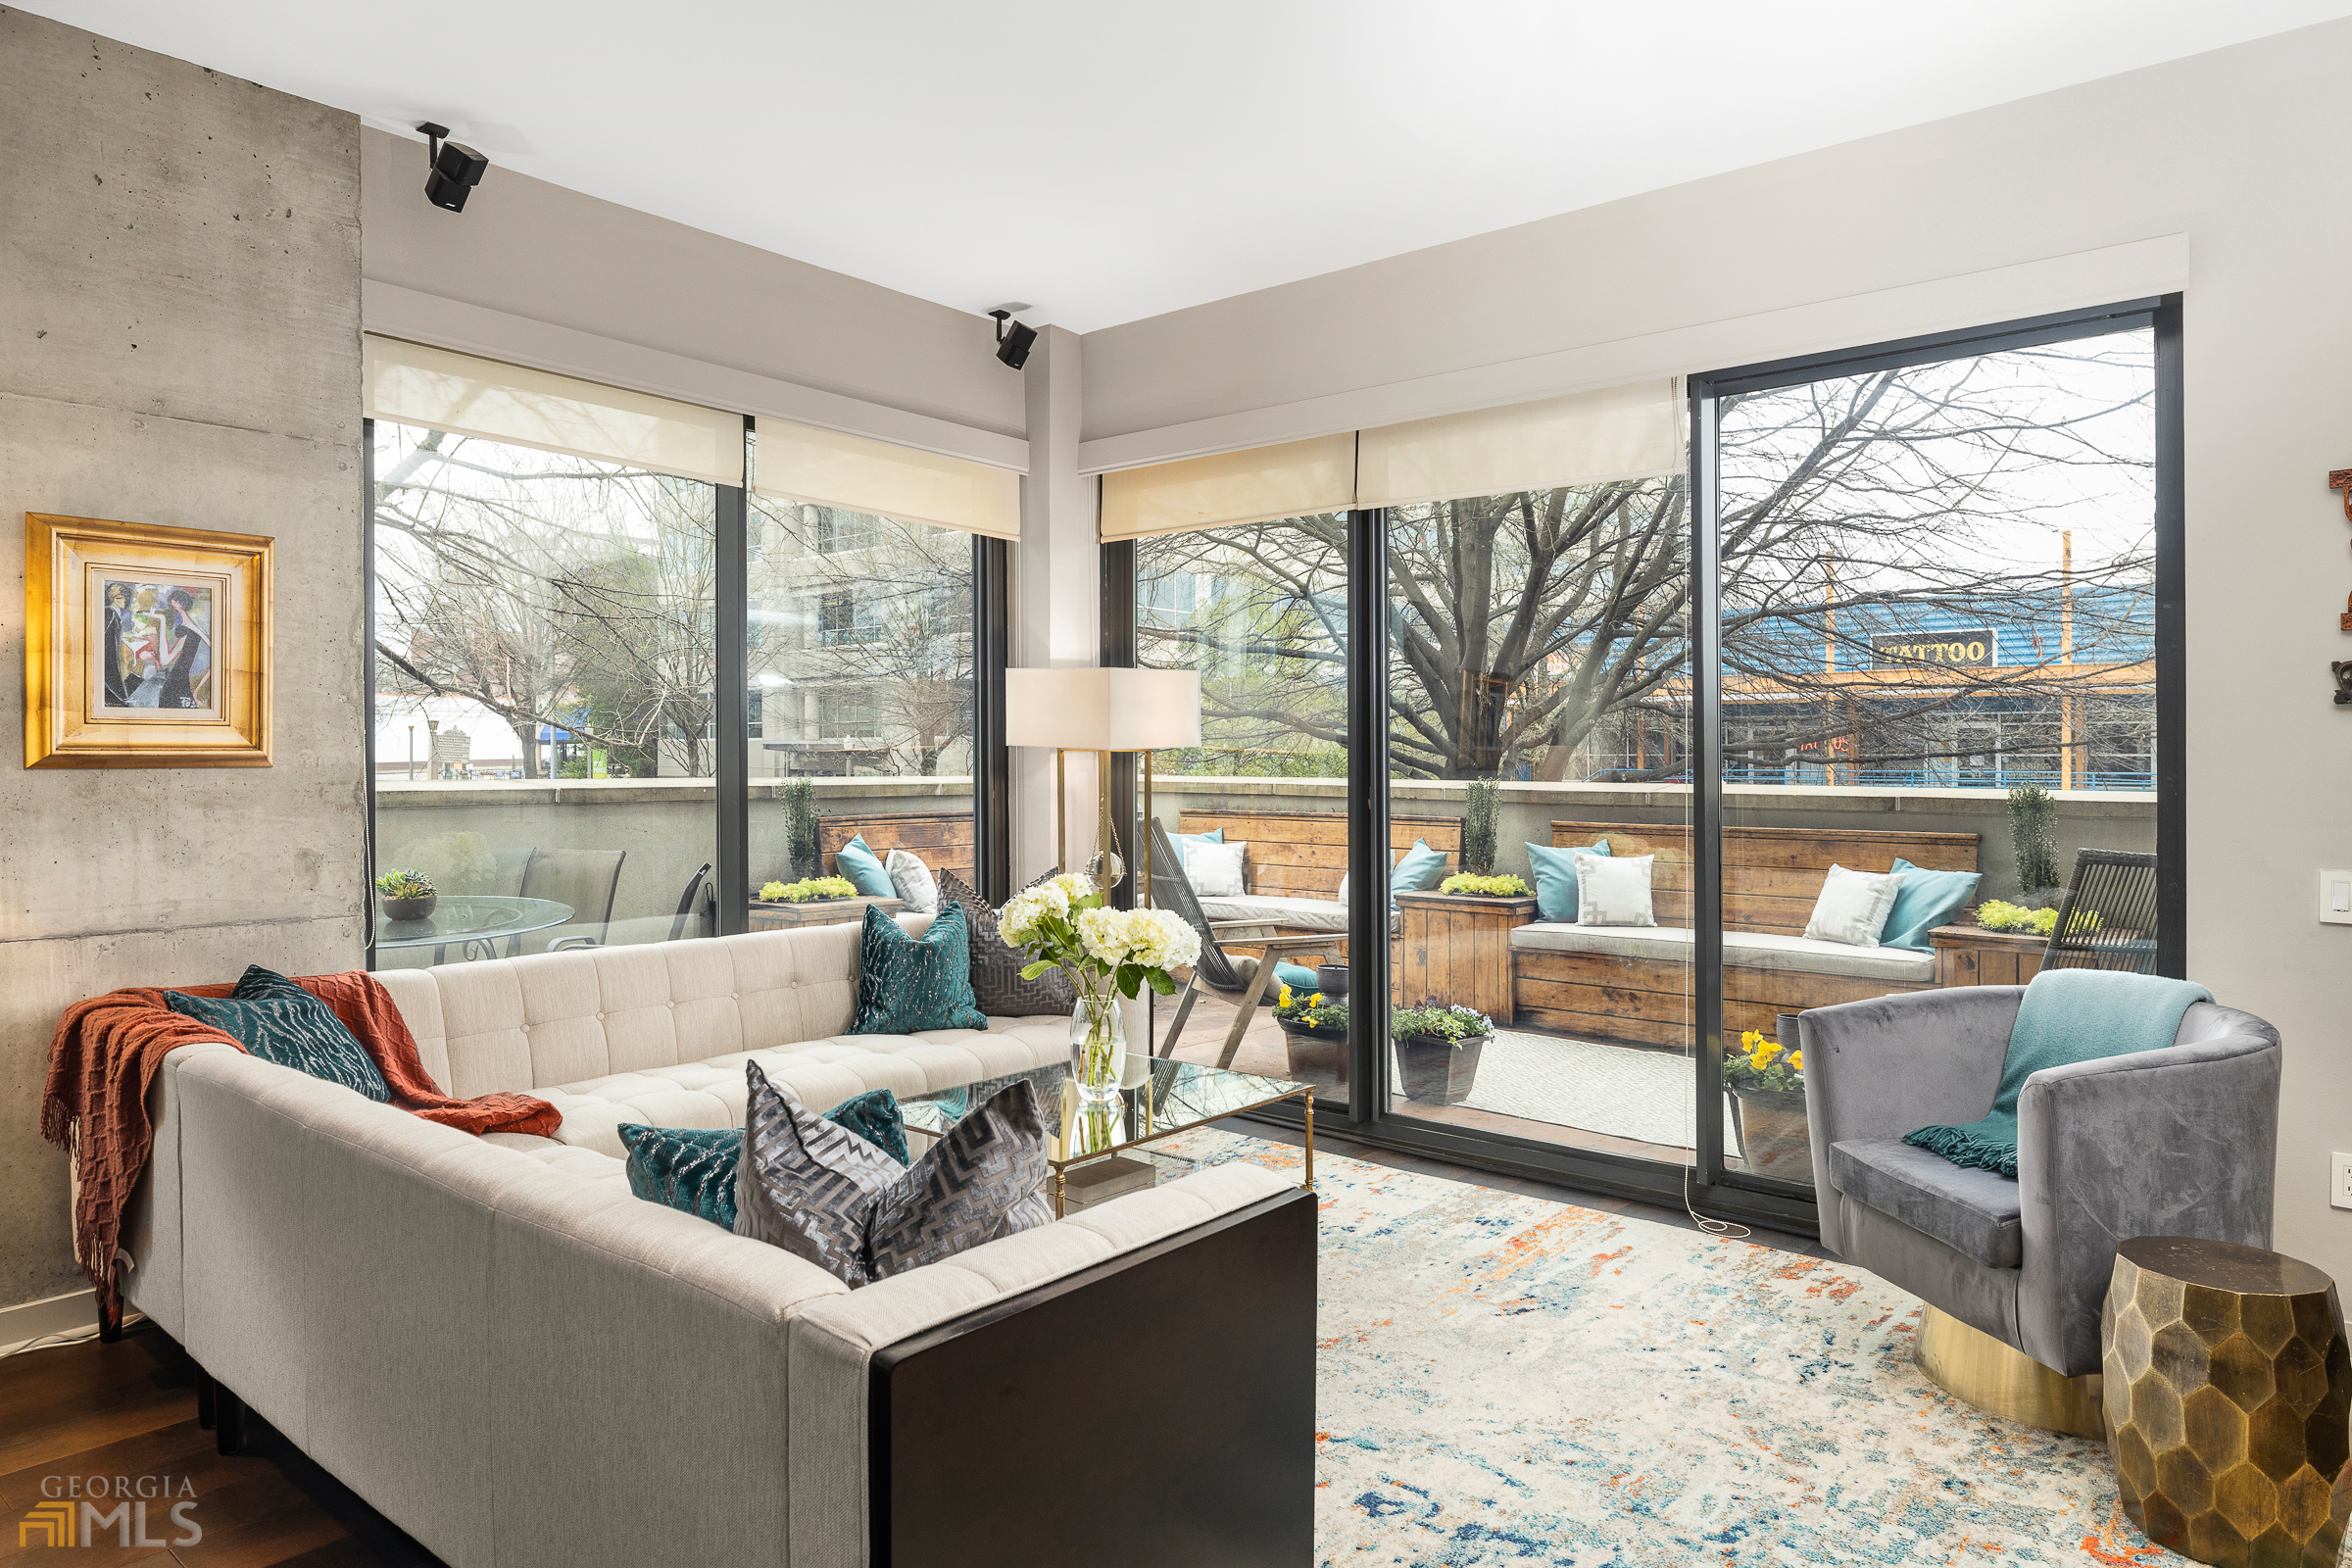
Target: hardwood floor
column 128, row 1410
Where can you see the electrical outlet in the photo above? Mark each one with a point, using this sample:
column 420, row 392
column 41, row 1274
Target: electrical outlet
column 2339, row 1180
column 2335, row 898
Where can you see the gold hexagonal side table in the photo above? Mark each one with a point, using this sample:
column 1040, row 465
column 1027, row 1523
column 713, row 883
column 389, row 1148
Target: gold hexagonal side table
column 2227, row 1392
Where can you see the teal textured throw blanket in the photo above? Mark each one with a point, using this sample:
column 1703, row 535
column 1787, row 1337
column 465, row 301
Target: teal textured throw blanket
column 2068, row 1015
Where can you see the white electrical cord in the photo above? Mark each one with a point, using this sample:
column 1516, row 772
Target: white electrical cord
column 58, row 1341
column 1728, row 1230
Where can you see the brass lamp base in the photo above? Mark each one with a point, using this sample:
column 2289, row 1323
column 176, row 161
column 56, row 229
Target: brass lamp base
column 1974, row 1368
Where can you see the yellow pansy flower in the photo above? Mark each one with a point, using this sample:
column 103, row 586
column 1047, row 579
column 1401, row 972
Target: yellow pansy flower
column 1315, row 1001
column 1284, row 1000
column 1796, row 1059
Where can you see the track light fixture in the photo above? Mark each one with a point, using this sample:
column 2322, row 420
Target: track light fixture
column 453, row 169
column 1012, row 338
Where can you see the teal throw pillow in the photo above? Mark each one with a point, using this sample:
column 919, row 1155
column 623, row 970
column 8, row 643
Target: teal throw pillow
column 1298, row 976
column 1555, row 878
column 691, row 1169
column 859, row 862
column 279, row 1022
column 909, row 984
column 1215, row 835
column 1926, row 901
column 1420, row 869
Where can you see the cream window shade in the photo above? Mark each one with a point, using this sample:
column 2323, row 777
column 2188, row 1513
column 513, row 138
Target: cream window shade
column 855, row 473
column 1296, row 479
column 1618, row 432
column 410, row 384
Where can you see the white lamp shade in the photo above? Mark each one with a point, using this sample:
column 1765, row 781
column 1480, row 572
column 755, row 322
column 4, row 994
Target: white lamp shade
column 1094, row 709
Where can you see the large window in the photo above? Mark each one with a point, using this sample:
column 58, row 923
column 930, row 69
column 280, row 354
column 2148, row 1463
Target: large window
column 546, row 665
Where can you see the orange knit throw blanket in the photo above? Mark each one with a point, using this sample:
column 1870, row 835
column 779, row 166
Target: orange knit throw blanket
column 109, row 1049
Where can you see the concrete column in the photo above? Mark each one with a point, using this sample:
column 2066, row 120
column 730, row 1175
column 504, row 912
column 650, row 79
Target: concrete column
column 1056, row 598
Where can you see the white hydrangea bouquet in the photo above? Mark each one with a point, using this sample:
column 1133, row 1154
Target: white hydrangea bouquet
column 1108, row 953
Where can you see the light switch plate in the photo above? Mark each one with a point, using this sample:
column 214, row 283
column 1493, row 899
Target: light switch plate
column 2335, row 898
column 2339, row 1180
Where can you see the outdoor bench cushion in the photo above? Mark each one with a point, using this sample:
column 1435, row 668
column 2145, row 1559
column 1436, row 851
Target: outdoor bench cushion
column 1974, row 1212
column 822, row 1072
column 1301, row 914
column 1749, row 950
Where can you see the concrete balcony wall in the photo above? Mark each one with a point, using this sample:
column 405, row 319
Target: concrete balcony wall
column 667, row 828
column 2110, row 819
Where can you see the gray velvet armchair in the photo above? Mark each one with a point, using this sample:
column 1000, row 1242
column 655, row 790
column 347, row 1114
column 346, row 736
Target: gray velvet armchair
column 2176, row 1142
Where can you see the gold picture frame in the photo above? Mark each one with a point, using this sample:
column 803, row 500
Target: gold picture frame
column 144, row 646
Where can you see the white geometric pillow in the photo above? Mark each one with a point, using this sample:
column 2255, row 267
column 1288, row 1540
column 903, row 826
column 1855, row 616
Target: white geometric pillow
column 912, row 879
column 1215, row 869
column 1854, row 906
column 1611, row 890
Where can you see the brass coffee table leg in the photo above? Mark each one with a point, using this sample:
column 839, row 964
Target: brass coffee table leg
column 1309, row 1097
column 1058, row 1184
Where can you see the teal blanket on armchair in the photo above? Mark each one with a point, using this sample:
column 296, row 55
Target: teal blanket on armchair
column 2068, row 1015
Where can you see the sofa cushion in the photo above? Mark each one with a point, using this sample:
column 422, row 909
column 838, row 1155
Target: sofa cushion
column 1974, row 1212
column 1303, row 915
column 279, row 1022
column 909, row 983
column 1748, row 950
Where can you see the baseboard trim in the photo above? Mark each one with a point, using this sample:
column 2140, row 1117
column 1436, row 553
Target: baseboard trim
column 74, row 1312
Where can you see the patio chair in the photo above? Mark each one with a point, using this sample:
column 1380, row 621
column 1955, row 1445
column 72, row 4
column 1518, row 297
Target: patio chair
column 700, row 900
column 586, row 880
column 1236, row 978
column 2118, row 887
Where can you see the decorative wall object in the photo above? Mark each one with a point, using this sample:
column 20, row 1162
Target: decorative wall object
column 144, row 646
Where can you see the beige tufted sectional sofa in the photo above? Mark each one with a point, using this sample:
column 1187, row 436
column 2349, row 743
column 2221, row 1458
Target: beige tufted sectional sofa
column 517, row 1360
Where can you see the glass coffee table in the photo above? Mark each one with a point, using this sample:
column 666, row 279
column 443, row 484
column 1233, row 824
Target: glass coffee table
column 1176, row 1097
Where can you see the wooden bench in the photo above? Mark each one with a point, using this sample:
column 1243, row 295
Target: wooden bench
column 1771, row 877
column 941, row 840
column 1302, row 855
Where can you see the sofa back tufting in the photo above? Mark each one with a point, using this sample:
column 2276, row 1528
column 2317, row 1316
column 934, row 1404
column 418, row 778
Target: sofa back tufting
column 521, row 1024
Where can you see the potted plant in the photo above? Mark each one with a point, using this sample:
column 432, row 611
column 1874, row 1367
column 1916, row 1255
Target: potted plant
column 1437, row 1048
column 1998, row 915
column 808, row 889
column 1314, row 1029
column 407, row 895
column 1485, row 887
column 1765, row 1084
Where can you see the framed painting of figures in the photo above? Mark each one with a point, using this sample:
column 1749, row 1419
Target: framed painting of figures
column 144, row 646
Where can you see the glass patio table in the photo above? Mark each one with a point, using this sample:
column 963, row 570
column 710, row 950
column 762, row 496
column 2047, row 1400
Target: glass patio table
column 1174, row 1097
column 474, row 924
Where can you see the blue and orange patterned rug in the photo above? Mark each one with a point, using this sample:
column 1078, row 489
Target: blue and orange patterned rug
column 1508, row 1380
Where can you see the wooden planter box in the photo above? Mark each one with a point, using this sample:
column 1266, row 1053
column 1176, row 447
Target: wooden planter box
column 1455, row 948
column 1971, row 956
column 783, row 916
column 1436, row 1073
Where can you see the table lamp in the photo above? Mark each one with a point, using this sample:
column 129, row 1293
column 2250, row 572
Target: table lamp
column 1103, row 710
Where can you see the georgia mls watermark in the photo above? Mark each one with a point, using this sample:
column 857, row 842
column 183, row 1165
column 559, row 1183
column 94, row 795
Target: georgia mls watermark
column 82, row 1510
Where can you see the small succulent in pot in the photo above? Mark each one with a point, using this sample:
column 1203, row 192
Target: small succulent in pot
column 406, row 894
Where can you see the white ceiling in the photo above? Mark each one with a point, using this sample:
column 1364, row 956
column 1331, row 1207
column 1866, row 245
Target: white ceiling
column 1112, row 162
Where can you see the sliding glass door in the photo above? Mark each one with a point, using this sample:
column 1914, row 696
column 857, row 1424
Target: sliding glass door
column 1940, row 571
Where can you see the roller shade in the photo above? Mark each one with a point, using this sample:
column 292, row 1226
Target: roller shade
column 1618, row 432
column 828, row 469
column 410, row 383
column 1296, row 479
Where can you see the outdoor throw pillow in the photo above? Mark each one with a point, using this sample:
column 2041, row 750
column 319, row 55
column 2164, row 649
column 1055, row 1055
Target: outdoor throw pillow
column 909, row 984
column 1927, row 900
column 691, row 1169
column 1854, row 906
column 858, row 862
column 1556, row 877
column 1418, row 869
column 1215, row 869
column 827, row 1196
column 279, row 1022
column 1613, row 891
column 997, row 989
column 1215, row 835
column 912, row 880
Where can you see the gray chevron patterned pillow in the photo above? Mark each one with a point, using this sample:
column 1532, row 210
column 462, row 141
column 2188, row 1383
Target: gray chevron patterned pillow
column 825, row 1194
column 984, row 1179
column 997, row 984
column 806, row 1184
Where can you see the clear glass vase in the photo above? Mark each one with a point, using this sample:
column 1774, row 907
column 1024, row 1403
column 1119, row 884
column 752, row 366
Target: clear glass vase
column 1098, row 1051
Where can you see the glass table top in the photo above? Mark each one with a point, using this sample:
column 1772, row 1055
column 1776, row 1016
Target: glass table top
column 1174, row 1096
column 469, row 917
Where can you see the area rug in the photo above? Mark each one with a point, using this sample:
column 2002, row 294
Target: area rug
column 1507, row 1380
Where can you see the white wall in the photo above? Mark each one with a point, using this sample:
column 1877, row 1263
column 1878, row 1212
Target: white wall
column 2246, row 151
